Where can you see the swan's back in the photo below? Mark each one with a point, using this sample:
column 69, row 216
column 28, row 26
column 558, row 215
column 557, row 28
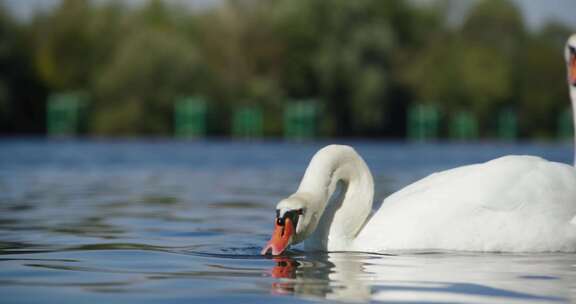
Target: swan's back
column 513, row 203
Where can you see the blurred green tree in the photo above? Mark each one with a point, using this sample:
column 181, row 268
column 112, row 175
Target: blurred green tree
column 475, row 67
column 542, row 92
column 342, row 52
column 137, row 88
column 239, row 43
column 365, row 61
column 21, row 90
column 65, row 46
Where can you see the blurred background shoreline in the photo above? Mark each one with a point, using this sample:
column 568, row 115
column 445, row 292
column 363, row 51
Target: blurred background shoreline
column 298, row 70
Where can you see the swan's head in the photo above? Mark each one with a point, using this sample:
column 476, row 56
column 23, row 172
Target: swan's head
column 570, row 54
column 295, row 221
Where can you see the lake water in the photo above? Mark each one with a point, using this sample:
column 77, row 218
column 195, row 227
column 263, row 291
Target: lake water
column 183, row 222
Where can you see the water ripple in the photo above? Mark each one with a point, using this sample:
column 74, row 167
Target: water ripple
column 97, row 222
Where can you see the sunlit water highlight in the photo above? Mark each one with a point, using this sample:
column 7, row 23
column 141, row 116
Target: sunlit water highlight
column 183, row 222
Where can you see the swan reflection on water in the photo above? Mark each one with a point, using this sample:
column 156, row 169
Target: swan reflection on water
column 331, row 276
column 424, row 277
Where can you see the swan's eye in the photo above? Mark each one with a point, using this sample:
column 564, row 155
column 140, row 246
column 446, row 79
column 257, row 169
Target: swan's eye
column 293, row 215
column 280, row 221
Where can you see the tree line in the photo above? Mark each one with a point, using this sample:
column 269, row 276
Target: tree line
column 366, row 62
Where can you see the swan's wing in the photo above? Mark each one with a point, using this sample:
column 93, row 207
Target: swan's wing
column 503, row 184
column 528, row 183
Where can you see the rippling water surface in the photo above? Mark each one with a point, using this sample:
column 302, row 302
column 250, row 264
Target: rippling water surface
column 163, row 222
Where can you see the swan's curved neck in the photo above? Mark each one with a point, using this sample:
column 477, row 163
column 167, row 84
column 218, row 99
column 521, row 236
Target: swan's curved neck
column 340, row 217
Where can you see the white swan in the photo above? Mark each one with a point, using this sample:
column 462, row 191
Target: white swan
column 510, row 204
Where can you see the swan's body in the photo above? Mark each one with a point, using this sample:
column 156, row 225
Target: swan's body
column 510, row 204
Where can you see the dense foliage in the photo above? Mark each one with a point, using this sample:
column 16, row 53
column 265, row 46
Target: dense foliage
column 365, row 61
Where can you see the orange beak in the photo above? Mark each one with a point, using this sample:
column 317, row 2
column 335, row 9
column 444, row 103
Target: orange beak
column 572, row 69
column 280, row 237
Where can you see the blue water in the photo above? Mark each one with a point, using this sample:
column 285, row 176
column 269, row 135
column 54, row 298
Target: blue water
column 183, row 222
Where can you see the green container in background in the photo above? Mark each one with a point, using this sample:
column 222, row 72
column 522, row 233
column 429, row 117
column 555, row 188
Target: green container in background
column 247, row 123
column 300, row 119
column 423, row 121
column 190, row 117
column 463, row 126
column 65, row 114
column 507, row 125
column 566, row 125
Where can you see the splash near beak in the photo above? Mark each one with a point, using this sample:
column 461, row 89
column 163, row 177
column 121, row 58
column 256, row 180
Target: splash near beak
column 283, row 231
